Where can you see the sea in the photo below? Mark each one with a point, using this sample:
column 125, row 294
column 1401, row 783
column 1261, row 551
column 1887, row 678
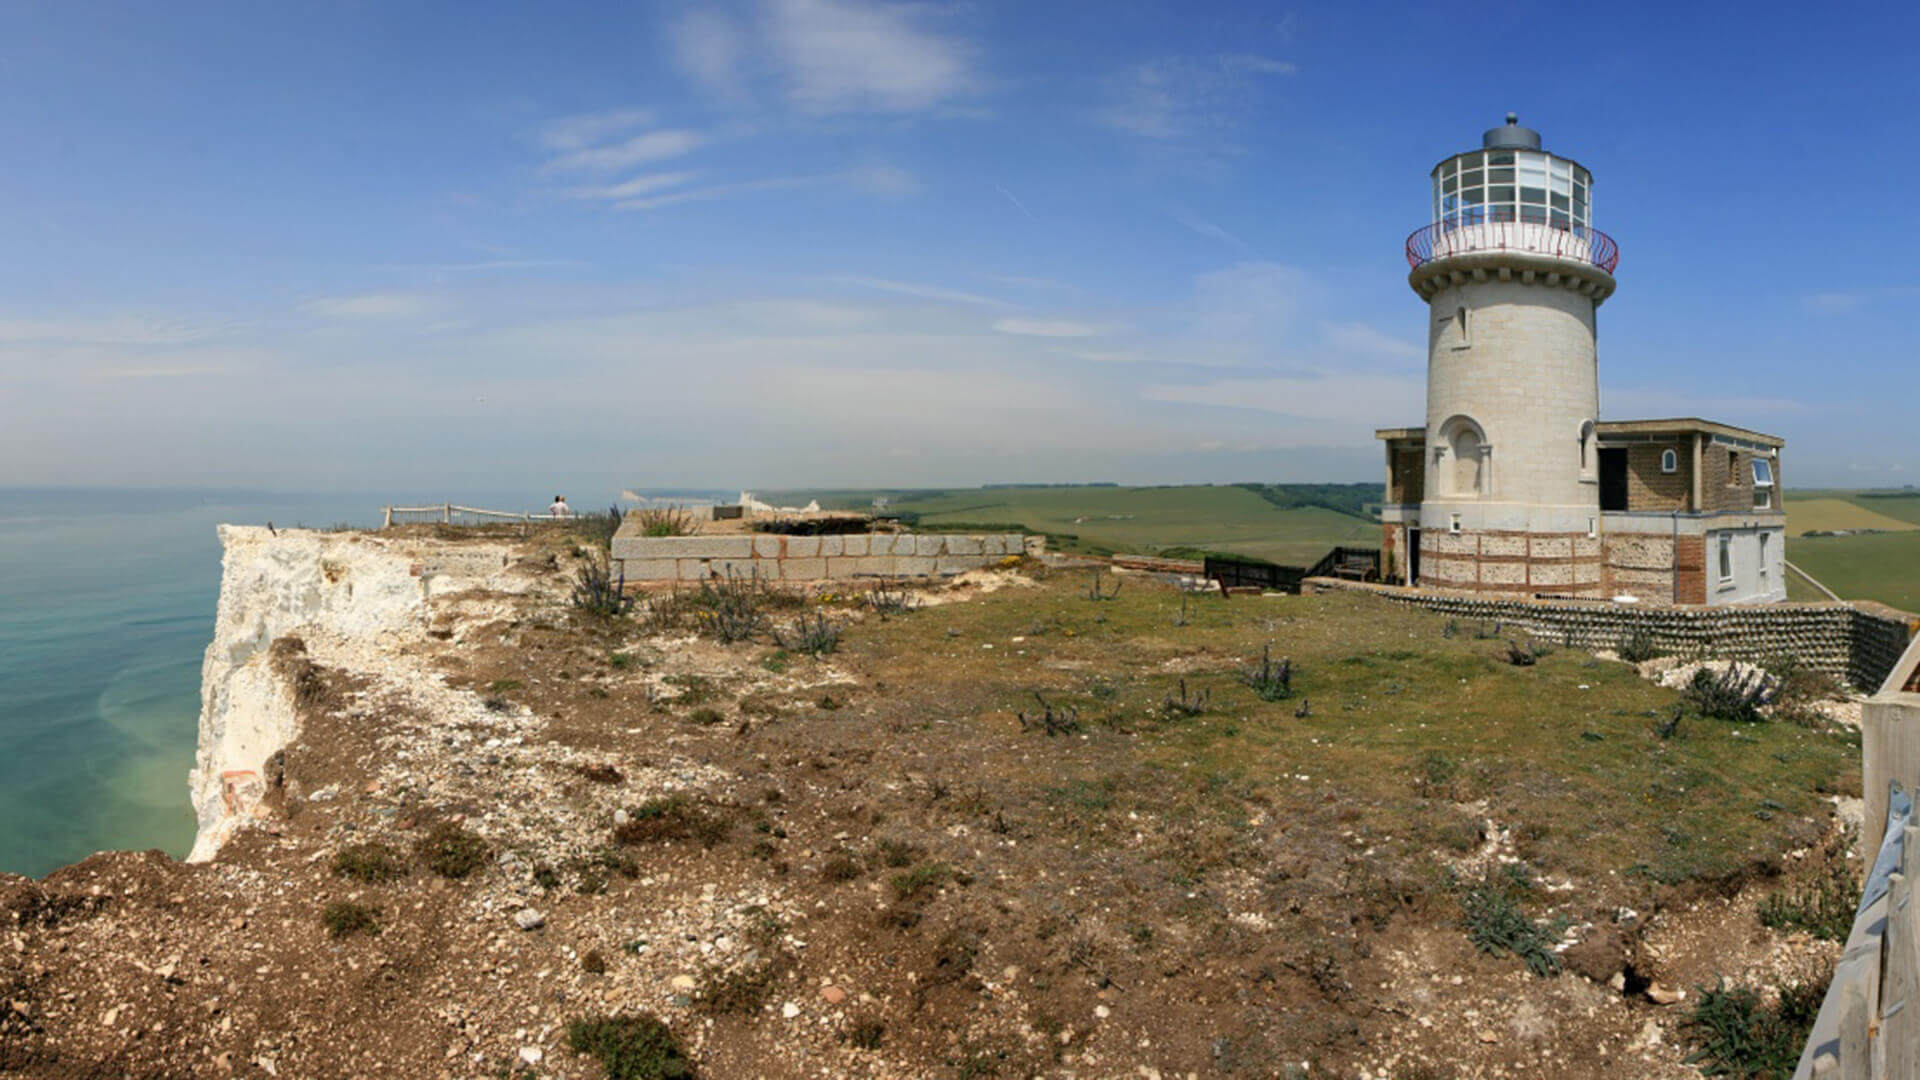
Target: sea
column 107, row 601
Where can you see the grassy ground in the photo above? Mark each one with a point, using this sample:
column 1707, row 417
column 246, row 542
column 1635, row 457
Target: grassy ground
column 1140, row 520
column 1882, row 566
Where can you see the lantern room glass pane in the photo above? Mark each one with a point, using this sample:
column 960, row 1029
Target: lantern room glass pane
column 1500, row 157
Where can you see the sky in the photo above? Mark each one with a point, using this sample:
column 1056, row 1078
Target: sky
column 783, row 243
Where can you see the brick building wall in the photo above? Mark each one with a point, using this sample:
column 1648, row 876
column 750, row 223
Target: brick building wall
column 1517, row 563
column 1648, row 488
column 1726, row 478
column 1407, row 481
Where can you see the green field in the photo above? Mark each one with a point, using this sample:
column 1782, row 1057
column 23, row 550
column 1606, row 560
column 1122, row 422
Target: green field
column 1882, row 566
column 1136, row 520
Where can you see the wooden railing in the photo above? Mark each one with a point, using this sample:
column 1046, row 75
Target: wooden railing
column 1869, row 1024
column 454, row 514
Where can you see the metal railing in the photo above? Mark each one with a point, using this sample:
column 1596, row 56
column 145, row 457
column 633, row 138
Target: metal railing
column 1869, row 1024
column 1497, row 229
column 454, row 514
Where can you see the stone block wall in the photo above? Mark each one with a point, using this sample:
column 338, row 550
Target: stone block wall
column 1650, row 489
column 812, row 558
column 1859, row 642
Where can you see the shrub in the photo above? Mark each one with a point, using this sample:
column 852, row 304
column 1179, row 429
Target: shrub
column 631, row 1047
column 732, row 608
column 1185, row 704
column 1518, row 656
column 1637, row 647
column 1736, row 1033
column 1798, row 688
column 866, row 1032
column 898, row 853
column 1496, row 924
column 813, row 635
column 1096, row 592
column 1063, row 721
column 674, row 818
column 1269, row 681
column 1824, row 907
column 890, row 599
column 1735, row 694
column 919, row 882
column 344, row 918
column 371, row 863
column 451, row 851
column 597, row 593
column 1434, row 776
column 841, row 867
column 665, row 521
column 738, row 990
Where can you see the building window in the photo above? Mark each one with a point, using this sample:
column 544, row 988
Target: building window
column 1763, row 556
column 1465, row 337
column 1726, row 558
column 1669, row 461
column 1588, row 447
column 1762, row 484
column 1453, row 523
column 1733, row 468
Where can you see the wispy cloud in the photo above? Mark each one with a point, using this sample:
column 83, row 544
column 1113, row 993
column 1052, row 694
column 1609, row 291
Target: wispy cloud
column 636, row 150
column 886, row 182
column 845, row 56
column 711, row 48
column 1187, row 97
column 117, row 330
column 586, row 129
column 387, row 305
column 635, row 188
column 922, row 292
column 1366, row 341
column 1048, row 328
column 1022, row 207
column 1208, row 229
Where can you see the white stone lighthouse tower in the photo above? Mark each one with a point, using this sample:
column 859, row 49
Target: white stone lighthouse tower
column 1512, row 271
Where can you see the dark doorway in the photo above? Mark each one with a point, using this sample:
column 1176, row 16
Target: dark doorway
column 1613, row 479
column 1413, row 556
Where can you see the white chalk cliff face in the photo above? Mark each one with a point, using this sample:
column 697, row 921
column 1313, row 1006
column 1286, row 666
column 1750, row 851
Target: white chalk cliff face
column 353, row 598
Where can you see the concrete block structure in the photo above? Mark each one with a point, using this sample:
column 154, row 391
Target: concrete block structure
column 1514, row 485
column 774, row 557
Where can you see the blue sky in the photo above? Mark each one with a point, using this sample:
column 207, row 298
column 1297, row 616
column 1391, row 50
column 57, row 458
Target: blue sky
column 836, row 242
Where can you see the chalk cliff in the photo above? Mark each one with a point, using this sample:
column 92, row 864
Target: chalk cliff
column 353, row 598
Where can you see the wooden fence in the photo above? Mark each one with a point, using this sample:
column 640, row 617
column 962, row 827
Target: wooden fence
column 453, row 514
column 1869, row 1024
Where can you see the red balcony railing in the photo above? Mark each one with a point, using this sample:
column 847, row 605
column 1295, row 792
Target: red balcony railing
column 1494, row 229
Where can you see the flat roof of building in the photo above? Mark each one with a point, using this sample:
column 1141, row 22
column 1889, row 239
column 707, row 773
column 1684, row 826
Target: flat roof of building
column 1684, row 424
column 1670, row 426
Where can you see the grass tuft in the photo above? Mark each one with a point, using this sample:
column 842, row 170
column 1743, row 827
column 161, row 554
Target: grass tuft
column 371, row 863
column 631, row 1047
column 343, row 918
column 452, row 852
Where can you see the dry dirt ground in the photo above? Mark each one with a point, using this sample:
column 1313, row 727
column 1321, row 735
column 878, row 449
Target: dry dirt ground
column 880, row 863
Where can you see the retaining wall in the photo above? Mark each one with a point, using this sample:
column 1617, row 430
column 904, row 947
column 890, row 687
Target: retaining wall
column 811, row 558
column 1858, row 641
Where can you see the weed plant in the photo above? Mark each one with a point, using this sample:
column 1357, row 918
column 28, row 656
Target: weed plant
column 1735, row 1032
column 635, row 1046
column 810, row 634
column 1497, row 924
column 343, row 919
column 1736, row 694
column 452, row 852
column 1269, row 681
column 665, row 521
column 371, row 863
column 597, row 592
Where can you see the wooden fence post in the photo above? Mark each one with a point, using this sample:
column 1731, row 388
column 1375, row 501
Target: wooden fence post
column 446, row 514
column 1856, row 1047
column 388, row 523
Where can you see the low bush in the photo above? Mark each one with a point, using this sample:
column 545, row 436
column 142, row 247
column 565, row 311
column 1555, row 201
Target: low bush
column 674, row 818
column 1496, row 923
column 1735, row 694
column 1185, row 704
column 812, row 635
column 1637, row 647
column 371, row 863
column 597, row 592
column 734, row 991
column 920, row 882
column 451, row 851
column 1736, row 1032
column 1268, row 680
column 665, row 521
column 343, row 918
column 1061, row 721
column 635, row 1046
column 890, row 599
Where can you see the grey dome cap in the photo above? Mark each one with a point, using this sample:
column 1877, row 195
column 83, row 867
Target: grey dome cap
column 1511, row 136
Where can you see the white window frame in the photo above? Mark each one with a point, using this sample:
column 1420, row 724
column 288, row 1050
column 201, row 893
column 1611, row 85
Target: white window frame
column 1762, row 486
column 1726, row 559
column 1763, row 538
column 1669, row 461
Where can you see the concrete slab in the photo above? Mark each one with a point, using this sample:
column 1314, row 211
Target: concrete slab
column 767, row 547
column 809, row 569
column 832, row 546
column 929, row 545
column 803, row 547
column 853, row 546
column 647, row 569
column 963, row 545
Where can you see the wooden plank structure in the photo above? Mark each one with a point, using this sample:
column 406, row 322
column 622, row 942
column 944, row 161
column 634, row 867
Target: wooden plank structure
column 1869, row 1024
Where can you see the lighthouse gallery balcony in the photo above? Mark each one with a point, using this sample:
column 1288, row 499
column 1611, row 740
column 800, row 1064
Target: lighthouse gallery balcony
column 1496, row 229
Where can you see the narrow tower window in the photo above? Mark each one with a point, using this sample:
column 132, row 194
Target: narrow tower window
column 1669, row 461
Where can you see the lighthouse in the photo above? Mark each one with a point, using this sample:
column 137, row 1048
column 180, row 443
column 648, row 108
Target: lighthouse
column 1514, row 483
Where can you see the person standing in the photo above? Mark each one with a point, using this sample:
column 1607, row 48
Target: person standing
column 560, row 509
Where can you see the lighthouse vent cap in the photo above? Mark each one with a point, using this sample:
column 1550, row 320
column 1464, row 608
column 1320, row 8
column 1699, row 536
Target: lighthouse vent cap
column 1511, row 136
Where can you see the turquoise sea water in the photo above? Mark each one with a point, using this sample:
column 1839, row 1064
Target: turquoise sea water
column 106, row 605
